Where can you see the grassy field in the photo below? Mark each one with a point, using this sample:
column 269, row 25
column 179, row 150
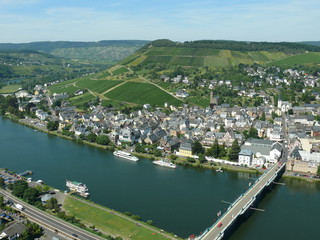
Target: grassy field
column 98, row 86
column 108, row 222
column 81, row 99
column 141, row 93
column 305, row 58
column 202, row 102
column 10, row 88
column 119, row 71
column 64, row 87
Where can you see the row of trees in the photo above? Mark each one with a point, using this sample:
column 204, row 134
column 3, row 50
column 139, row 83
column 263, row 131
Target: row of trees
column 218, row 151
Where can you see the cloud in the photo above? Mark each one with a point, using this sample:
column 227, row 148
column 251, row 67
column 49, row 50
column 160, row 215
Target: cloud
column 253, row 20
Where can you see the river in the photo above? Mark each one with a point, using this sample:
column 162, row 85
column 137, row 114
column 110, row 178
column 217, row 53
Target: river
column 183, row 200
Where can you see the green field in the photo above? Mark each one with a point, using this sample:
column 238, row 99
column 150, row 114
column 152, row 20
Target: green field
column 108, row 222
column 10, row 88
column 81, row 99
column 202, row 102
column 98, row 86
column 120, row 70
column 141, row 93
column 305, row 58
column 206, row 56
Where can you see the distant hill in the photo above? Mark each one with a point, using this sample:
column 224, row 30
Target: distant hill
column 107, row 51
column 216, row 53
column 39, row 67
column 314, row 43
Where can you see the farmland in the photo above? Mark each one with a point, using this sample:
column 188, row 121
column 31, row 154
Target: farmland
column 141, row 93
column 305, row 58
column 10, row 88
column 204, row 57
column 98, row 86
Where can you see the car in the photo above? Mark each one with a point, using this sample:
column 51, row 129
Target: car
column 74, row 235
column 219, row 224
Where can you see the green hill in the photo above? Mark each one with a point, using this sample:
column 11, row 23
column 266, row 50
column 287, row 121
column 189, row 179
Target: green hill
column 33, row 67
column 110, row 51
column 215, row 53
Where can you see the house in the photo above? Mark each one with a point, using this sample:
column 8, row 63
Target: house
column 126, row 135
column 14, row 231
column 270, row 150
column 185, row 149
column 45, row 198
column 315, row 131
column 245, row 157
column 41, row 114
column 182, row 93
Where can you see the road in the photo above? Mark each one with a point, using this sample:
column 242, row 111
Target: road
column 229, row 217
column 48, row 221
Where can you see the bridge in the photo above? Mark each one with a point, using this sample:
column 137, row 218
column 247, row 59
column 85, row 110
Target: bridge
column 241, row 204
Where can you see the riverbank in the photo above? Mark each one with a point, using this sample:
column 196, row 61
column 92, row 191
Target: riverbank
column 111, row 221
column 179, row 161
column 288, row 175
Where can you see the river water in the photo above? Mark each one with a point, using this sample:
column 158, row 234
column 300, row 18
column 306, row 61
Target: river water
column 183, row 200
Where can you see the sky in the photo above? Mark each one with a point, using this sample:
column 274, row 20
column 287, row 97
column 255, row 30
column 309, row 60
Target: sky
column 178, row 20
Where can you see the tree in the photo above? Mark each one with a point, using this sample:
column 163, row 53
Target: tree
column 19, row 187
column 318, row 171
column 33, row 231
column 157, row 153
column 290, row 111
column 222, row 129
column 202, row 158
column 1, row 182
column 103, row 140
column 197, row 148
column 53, row 125
column 30, row 195
column 53, row 204
column 263, row 117
column 2, row 204
column 234, row 151
column 222, row 152
column 91, row 137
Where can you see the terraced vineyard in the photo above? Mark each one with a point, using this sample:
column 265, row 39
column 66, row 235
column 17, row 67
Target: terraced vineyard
column 141, row 93
column 202, row 57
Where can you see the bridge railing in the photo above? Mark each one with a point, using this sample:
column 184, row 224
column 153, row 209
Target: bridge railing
column 237, row 200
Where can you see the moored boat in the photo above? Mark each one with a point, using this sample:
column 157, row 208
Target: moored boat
column 164, row 163
column 125, row 155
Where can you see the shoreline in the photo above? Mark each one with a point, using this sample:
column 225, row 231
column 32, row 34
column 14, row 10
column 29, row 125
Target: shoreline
column 152, row 157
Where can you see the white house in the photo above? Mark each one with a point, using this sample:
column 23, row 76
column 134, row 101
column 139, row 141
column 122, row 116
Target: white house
column 245, row 157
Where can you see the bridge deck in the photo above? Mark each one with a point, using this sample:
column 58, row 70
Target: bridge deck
column 241, row 204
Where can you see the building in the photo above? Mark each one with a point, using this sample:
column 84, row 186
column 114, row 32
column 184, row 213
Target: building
column 245, row 157
column 13, row 231
column 185, row 150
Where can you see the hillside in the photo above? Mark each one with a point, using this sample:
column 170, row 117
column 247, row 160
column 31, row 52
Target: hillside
column 32, row 67
column 314, row 43
column 103, row 51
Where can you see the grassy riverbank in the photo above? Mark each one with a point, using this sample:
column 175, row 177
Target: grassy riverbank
column 112, row 222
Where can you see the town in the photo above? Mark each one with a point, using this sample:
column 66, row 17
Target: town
column 253, row 137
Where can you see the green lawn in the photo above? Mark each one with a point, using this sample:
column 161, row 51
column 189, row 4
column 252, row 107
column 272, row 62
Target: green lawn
column 10, row 88
column 107, row 222
column 141, row 93
column 98, row 86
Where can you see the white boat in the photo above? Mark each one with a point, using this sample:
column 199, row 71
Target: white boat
column 219, row 170
column 125, row 155
column 163, row 163
column 78, row 188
